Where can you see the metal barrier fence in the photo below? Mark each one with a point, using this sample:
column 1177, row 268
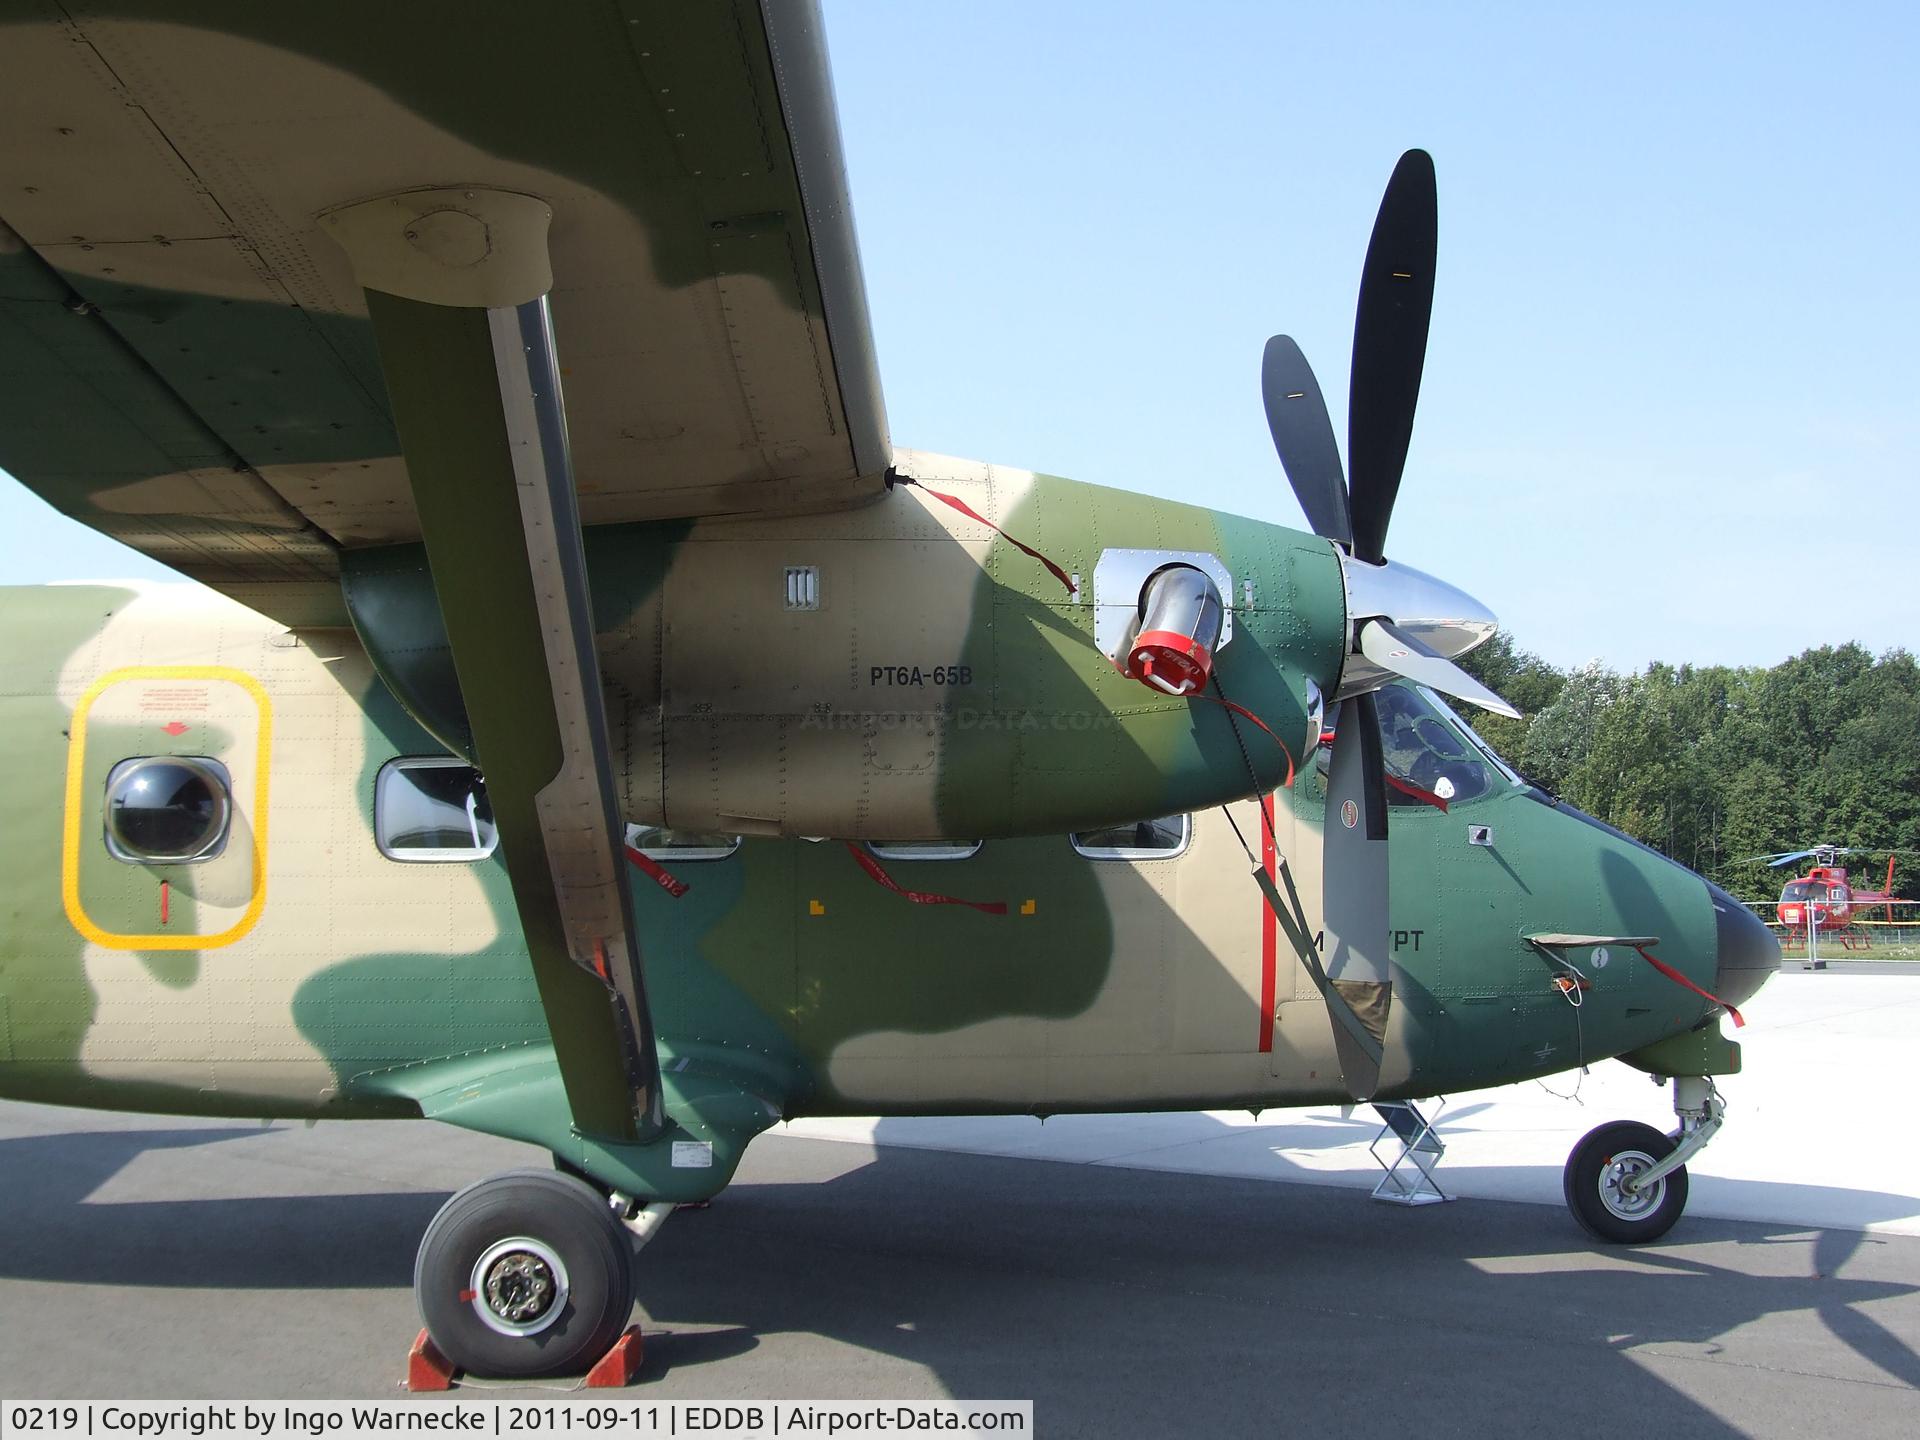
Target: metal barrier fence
column 1863, row 939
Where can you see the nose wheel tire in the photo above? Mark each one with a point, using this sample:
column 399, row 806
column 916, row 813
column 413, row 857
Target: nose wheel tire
column 525, row 1274
column 1600, row 1189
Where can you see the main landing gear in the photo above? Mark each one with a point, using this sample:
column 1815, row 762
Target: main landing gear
column 530, row 1273
column 1626, row 1183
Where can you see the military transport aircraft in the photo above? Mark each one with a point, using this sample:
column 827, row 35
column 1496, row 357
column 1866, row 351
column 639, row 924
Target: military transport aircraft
column 624, row 774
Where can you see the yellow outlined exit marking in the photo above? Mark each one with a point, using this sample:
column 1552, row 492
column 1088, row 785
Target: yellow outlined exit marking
column 75, row 802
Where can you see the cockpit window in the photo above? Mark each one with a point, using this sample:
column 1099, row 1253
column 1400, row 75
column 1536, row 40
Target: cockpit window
column 1423, row 744
column 1439, row 703
column 1804, row 890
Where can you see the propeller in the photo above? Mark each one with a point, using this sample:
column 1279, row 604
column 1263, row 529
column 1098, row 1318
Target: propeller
column 1303, row 434
column 1402, row 622
column 1404, row 653
column 1390, row 346
column 1354, row 898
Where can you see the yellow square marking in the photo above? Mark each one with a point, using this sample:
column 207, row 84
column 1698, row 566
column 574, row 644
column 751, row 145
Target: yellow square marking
column 1030, row 907
column 814, row 907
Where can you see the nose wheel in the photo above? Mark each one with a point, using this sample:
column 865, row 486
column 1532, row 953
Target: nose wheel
column 1626, row 1183
column 524, row 1274
column 1605, row 1190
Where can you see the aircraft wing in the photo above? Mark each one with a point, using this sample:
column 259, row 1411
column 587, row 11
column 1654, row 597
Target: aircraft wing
column 281, row 282
column 186, row 358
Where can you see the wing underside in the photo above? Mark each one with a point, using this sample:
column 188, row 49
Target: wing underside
column 186, row 360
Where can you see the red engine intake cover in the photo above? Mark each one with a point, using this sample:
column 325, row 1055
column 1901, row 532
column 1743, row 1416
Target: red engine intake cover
column 1170, row 661
column 1180, row 622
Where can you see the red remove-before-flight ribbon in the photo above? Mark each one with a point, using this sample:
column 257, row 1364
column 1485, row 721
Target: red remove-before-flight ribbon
column 1425, row 797
column 1681, row 980
column 918, row 897
column 972, row 514
column 650, row 868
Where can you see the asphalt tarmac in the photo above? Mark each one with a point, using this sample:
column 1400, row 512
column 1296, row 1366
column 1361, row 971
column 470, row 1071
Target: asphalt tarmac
column 158, row 1258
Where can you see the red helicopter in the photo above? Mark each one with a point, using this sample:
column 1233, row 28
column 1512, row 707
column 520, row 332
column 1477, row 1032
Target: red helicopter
column 1823, row 896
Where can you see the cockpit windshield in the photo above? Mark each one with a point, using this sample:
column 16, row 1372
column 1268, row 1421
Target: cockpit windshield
column 1423, row 744
column 1805, row 890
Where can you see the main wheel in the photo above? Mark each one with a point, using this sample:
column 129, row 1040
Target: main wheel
column 1596, row 1189
column 525, row 1274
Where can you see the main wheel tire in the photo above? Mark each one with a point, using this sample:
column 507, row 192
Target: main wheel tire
column 525, row 1274
column 1604, row 1158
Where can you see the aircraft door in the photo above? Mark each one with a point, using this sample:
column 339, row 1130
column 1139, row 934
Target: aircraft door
column 164, row 840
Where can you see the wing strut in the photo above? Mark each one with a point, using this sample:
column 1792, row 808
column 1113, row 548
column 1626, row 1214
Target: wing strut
column 456, row 286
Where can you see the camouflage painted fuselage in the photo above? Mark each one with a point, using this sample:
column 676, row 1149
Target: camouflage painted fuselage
column 302, row 971
column 204, row 357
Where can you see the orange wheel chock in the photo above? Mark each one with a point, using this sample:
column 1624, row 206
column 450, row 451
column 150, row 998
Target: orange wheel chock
column 618, row 1367
column 427, row 1368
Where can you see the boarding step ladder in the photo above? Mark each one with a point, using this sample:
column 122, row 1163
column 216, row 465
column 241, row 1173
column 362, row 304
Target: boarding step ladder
column 1414, row 1149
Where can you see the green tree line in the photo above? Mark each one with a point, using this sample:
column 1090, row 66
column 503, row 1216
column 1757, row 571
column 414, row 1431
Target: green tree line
column 1709, row 764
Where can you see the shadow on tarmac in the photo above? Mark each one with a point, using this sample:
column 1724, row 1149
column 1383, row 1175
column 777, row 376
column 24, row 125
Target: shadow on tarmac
column 292, row 1242
column 1122, row 1301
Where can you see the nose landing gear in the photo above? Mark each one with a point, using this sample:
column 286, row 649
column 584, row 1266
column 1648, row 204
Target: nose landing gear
column 1626, row 1183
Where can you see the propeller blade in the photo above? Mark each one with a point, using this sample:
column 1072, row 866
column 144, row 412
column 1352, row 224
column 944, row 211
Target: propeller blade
column 1390, row 346
column 1303, row 435
column 1788, row 859
column 1392, row 648
column 1354, row 895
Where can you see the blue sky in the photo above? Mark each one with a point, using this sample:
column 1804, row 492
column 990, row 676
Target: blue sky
column 1669, row 410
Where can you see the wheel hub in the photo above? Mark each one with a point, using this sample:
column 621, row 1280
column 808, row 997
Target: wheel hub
column 519, row 1286
column 1619, row 1191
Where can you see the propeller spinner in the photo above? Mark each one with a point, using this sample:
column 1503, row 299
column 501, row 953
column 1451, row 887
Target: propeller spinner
column 1402, row 622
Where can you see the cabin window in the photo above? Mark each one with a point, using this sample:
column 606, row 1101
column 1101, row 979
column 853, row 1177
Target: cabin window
column 657, row 842
column 168, row 809
column 1142, row 840
column 432, row 808
column 926, row 849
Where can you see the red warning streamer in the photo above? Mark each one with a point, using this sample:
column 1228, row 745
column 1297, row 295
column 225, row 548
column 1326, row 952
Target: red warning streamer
column 918, row 897
column 1425, row 797
column 1681, row 980
column 972, row 514
column 648, row 867
column 1269, row 927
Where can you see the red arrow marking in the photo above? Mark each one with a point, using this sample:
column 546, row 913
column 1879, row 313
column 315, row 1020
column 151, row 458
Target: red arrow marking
column 174, row 727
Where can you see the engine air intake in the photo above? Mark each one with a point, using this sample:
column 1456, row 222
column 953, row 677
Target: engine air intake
column 1179, row 629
